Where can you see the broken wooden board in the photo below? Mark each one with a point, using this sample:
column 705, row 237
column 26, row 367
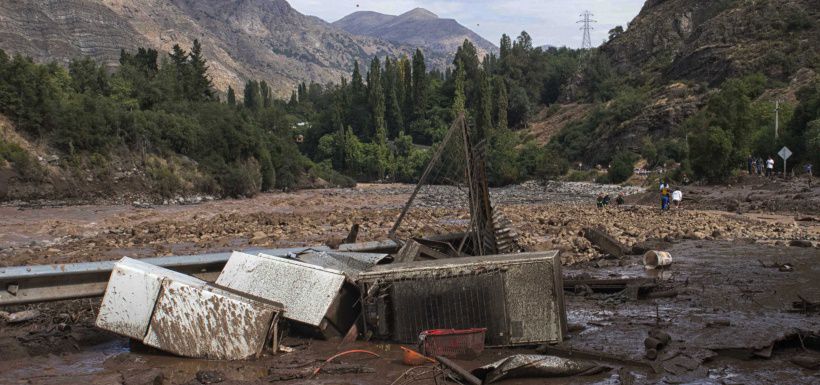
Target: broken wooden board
column 605, row 242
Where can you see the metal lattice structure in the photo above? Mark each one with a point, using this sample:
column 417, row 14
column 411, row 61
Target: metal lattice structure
column 587, row 21
column 459, row 163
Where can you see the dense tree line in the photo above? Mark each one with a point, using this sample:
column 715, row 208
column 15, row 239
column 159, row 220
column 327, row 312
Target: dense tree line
column 161, row 105
column 379, row 124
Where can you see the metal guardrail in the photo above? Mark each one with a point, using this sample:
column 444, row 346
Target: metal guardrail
column 30, row 284
column 41, row 283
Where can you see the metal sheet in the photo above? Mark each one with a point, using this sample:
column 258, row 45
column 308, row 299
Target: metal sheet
column 306, row 291
column 531, row 307
column 206, row 322
column 348, row 262
column 131, row 294
column 388, row 246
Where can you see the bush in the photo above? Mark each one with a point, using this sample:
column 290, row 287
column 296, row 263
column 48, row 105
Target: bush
column 325, row 171
column 164, row 180
column 541, row 162
column 622, row 167
column 581, row 176
column 241, row 179
column 25, row 165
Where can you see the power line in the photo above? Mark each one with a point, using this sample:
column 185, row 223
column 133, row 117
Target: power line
column 587, row 21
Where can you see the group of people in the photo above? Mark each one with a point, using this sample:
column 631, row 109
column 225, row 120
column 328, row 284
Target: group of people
column 758, row 165
column 668, row 196
column 603, row 200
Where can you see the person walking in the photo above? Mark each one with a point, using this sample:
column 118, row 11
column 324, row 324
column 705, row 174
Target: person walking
column 677, row 198
column 750, row 164
column 665, row 196
column 770, row 167
column 759, row 164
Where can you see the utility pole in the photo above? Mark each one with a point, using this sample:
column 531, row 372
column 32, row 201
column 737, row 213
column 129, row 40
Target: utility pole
column 776, row 118
column 587, row 21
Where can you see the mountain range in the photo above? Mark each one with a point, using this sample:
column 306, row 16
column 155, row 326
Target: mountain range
column 242, row 39
column 418, row 27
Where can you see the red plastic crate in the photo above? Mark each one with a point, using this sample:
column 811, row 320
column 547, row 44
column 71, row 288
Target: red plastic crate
column 453, row 343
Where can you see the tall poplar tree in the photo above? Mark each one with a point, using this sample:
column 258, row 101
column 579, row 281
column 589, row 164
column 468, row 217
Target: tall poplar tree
column 231, row 96
column 419, row 86
column 484, row 107
column 376, row 101
column 502, row 104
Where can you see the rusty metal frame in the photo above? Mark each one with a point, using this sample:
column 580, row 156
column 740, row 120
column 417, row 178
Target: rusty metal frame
column 424, row 175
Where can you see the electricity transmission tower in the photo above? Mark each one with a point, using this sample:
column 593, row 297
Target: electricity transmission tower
column 587, row 21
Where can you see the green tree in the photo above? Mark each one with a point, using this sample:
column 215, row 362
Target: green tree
column 407, row 74
column 179, row 60
column 88, row 76
column 459, row 100
column 359, row 113
column 502, row 103
column 395, row 120
column 199, row 86
column 231, row 96
column 253, row 98
column 484, row 107
column 712, row 154
column 376, row 101
column 419, row 86
column 265, row 93
column 622, row 166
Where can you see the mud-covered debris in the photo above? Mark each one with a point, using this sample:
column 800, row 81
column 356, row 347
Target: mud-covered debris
column 536, row 366
column 805, row 306
column 604, row 242
column 694, row 376
column 719, row 323
column 784, row 267
column 20, row 316
column 466, row 376
column 654, row 259
column 320, row 299
column 206, row 377
column 680, row 364
column 288, row 374
column 184, row 315
column 808, row 361
column 801, row 243
column 152, row 376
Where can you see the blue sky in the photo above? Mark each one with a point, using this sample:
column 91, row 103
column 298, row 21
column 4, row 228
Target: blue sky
column 547, row 21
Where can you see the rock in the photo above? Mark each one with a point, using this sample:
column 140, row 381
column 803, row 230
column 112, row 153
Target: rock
column 259, row 235
column 800, row 243
column 209, row 377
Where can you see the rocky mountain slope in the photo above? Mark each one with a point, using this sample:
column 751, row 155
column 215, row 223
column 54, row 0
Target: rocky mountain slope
column 418, row 27
column 709, row 41
column 242, row 39
column 679, row 51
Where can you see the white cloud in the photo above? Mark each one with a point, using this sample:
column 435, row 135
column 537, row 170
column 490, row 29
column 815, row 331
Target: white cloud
column 547, row 21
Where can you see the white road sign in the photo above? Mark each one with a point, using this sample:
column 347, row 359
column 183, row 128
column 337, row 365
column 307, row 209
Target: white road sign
column 785, row 153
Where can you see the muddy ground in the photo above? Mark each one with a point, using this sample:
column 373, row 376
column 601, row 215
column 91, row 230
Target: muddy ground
column 733, row 304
